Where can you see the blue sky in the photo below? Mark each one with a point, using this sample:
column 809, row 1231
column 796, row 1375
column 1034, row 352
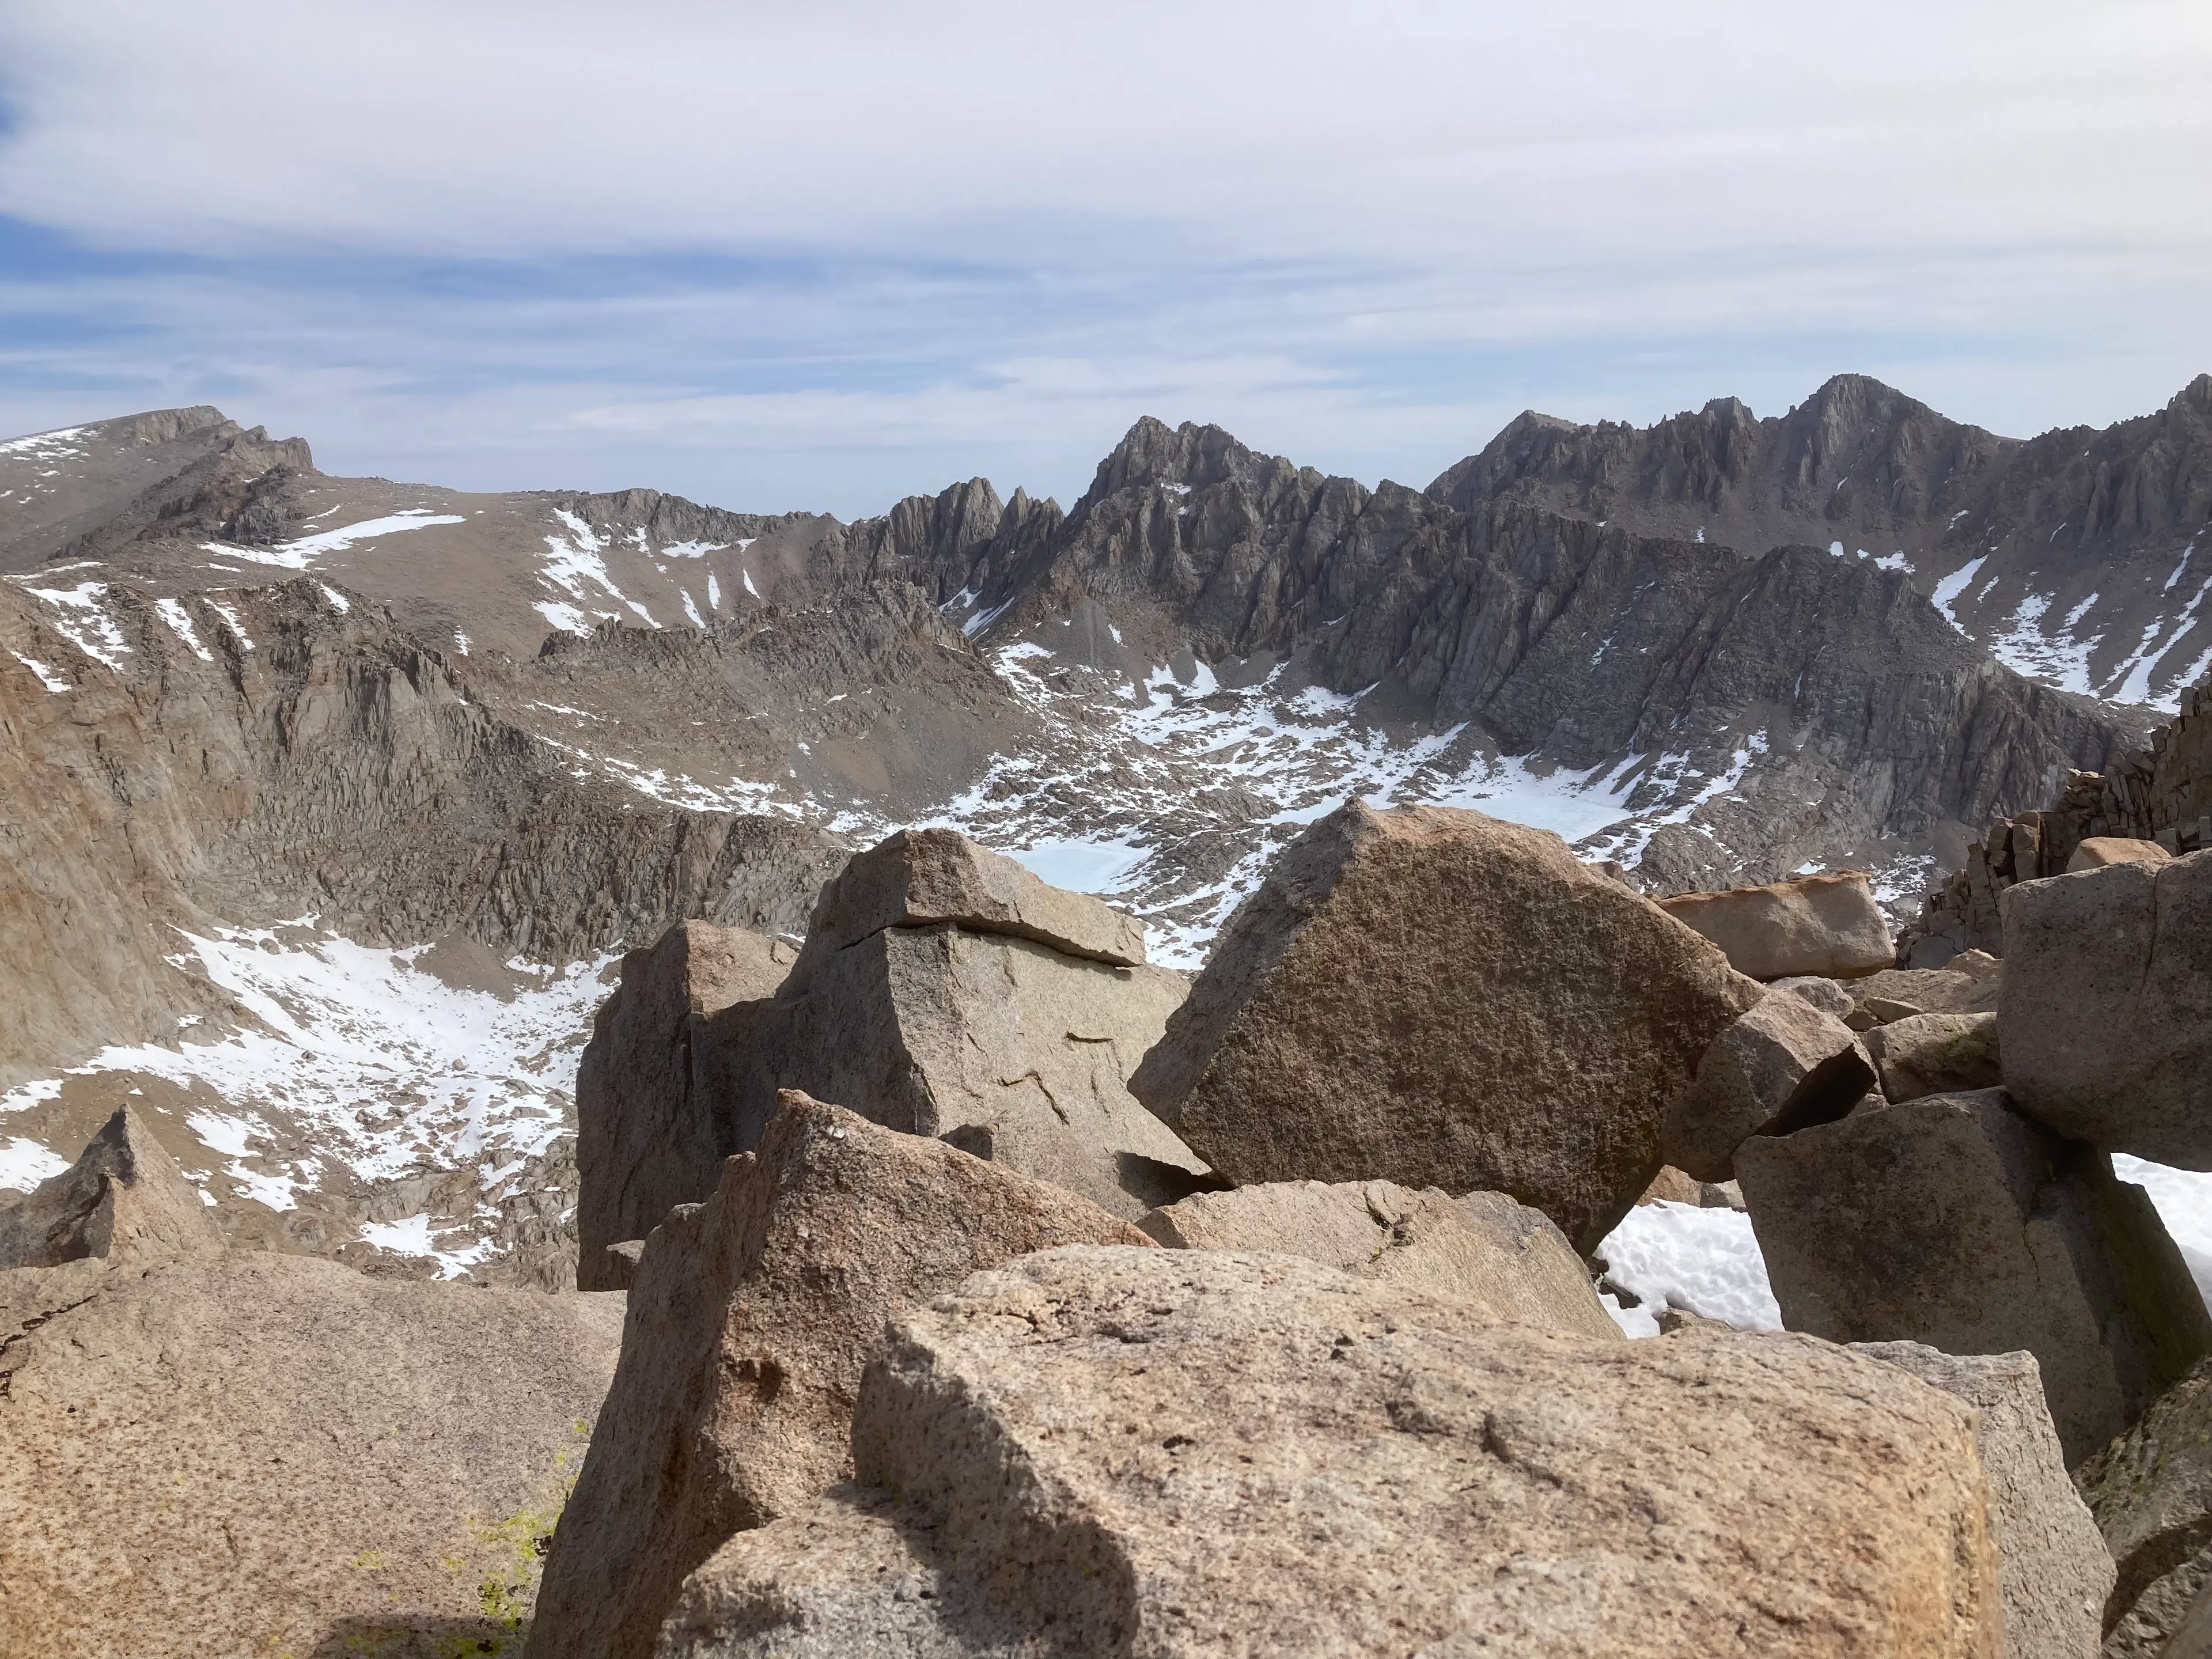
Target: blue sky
column 823, row 257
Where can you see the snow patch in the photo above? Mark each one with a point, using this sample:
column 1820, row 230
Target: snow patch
column 1947, row 591
column 180, row 623
column 366, row 1057
column 84, row 621
column 47, row 678
column 24, row 1163
column 1084, row 866
column 1706, row 1261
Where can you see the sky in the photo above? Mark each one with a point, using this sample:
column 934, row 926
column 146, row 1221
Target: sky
column 824, row 256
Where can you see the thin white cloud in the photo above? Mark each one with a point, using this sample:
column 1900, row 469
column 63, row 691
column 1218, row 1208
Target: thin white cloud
column 821, row 255
column 1285, row 129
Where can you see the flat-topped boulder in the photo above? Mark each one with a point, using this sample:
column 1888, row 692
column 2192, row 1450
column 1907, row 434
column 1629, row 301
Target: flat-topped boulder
column 1780, row 1065
column 124, row 1201
column 923, row 877
column 1439, row 999
column 2104, row 1018
column 750, row 1318
column 1195, row 1453
column 1958, row 1222
column 2095, row 852
column 1829, row 926
column 2055, row 1568
column 1484, row 1249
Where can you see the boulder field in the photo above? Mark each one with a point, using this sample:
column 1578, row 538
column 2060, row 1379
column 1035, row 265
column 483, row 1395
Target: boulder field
column 989, row 1291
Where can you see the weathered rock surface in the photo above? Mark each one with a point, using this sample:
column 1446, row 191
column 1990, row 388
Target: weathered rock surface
column 1829, row 926
column 920, row 878
column 124, row 1201
column 257, row 1454
column 1945, row 990
column 750, row 1318
column 2056, row 1571
column 635, row 1084
column 1827, row 996
column 2106, row 1015
column 2150, row 1490
column 2097, row 851
column 1935, row 1054
column 1957, row 1222
column 1484, row 1249
column 1096, row 1451
column 1779, row 1067
column 1432, row 997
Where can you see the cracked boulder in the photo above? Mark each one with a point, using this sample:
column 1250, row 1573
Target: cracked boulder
column 1780, row 1066
column 2105, row 1013
column 1482, row 1249
column 1958, row 1222
column 1435, row 998
column 943, row 991
column 1185, row 1453
column 636, row 1132
column 750, row 1318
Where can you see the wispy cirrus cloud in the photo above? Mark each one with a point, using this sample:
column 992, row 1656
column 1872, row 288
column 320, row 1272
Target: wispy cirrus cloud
column 822, row 256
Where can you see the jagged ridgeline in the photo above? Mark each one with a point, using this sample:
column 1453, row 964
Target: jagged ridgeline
column 256, row 711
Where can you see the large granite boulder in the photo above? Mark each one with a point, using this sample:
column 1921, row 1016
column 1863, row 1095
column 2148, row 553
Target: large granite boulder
column 750, row 1321
column 962, row 1015
column 123, row 1201
column 2095, row 852
column 2150, row 1490
column 1957, row 1222
column 2105, row 1015
column 636, row 1128
column 2056, row 1571
column 261, row 1454
column 1780, row 1066
column 1189, row 1453
column 1482, row 1249
column 1433, row 997
column 1830, row 926
column 1935, row 1054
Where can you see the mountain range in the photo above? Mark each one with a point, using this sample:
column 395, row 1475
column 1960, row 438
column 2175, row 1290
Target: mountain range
column 329, row 801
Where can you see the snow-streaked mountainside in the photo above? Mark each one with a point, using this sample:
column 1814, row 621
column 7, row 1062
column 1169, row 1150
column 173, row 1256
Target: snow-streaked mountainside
column 277, row 731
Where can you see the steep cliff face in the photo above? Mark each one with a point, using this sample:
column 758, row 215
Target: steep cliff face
column 270, row 753
column 2071, row 555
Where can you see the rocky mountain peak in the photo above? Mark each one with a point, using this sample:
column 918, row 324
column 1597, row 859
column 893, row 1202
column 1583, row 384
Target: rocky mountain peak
column 1186, row 457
